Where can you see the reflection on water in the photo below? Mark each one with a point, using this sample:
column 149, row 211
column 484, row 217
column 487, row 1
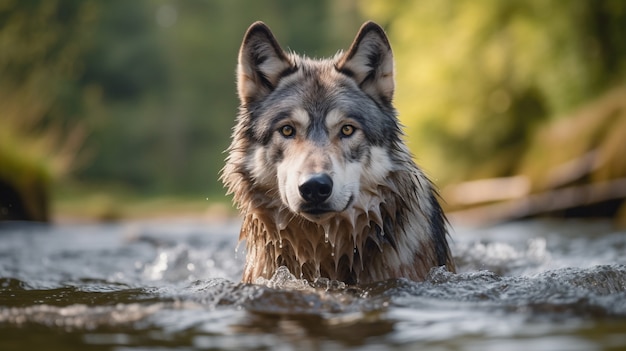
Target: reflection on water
column 524, row 286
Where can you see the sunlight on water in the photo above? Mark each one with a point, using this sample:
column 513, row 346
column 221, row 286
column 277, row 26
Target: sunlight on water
column 532, row 285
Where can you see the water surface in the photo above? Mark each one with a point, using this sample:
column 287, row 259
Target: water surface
column 540, row 285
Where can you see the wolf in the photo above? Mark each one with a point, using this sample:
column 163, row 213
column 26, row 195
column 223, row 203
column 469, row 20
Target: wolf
column 319, row 169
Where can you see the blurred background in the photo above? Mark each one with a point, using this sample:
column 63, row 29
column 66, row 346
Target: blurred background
column 117, row 109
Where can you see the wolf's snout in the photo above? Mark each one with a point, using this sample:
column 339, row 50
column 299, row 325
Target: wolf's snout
column 316, row 188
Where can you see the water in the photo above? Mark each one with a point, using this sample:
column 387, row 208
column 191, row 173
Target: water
column 539, row 285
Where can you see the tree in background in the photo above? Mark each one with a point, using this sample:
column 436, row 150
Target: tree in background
column 151, row 83
column 40, row 48
column 161, row 82
column 477, row 78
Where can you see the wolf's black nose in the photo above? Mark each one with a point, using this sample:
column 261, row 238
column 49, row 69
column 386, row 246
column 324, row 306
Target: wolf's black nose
column 316, row 188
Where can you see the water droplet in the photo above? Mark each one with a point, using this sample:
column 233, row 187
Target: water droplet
column 237, row 250
column 326, row 233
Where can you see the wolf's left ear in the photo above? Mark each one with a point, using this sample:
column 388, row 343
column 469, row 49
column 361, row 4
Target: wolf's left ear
column 262, row 63
column 369, row 61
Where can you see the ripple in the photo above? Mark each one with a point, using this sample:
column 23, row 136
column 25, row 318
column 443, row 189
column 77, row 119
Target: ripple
column 178, row 287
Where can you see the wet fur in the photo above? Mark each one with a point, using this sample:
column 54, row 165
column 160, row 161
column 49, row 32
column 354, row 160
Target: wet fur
column 384, row 219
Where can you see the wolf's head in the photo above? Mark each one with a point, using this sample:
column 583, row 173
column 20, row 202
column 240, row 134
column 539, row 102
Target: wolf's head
column 313, row 134
column 319, row 169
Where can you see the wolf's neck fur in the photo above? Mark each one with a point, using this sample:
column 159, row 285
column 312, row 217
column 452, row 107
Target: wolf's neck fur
column 379, row 230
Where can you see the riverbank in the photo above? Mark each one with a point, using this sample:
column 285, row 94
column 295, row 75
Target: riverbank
column 75, row 204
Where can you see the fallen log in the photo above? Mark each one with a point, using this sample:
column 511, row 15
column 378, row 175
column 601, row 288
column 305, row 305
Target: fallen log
column 543, row 203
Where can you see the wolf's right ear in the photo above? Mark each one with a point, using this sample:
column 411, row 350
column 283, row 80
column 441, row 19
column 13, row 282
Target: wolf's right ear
column 261, row 63
column 369, row 61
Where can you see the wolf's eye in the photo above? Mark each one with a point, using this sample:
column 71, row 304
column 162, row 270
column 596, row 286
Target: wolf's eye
column 347, row 130
column 287, row 131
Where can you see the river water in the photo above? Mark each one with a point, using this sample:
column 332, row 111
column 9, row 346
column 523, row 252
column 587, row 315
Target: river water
column 173, row 285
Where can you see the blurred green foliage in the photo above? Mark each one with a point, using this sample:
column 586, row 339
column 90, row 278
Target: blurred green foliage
column 151, row 82
column 41, row 44
column 160, row 78
column 142, row 94
column 477, row 78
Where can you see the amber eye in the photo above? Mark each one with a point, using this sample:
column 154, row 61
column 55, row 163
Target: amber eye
column 287, row 131
column 347, row 130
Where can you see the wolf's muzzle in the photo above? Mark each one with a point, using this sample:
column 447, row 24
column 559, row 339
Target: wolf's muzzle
column 316, row 188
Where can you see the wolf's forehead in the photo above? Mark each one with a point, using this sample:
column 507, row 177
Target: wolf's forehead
column 300, row 116
column 304, row 118
column 317, row 91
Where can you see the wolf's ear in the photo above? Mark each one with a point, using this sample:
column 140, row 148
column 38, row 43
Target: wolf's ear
column 369, row 61
column 261, row 63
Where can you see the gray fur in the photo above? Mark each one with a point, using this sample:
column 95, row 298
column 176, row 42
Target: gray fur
column 382, row 219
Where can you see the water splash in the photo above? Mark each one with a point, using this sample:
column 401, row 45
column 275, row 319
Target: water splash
column 178, row 287
column 503, row 258
column 283, row 279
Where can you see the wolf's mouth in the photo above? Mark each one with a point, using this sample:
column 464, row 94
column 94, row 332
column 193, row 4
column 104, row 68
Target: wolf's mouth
column 324, row 208
column 316, row 211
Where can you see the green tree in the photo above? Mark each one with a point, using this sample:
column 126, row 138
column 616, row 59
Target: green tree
column 161, row 84
column 476, row 78
column 40, row 47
